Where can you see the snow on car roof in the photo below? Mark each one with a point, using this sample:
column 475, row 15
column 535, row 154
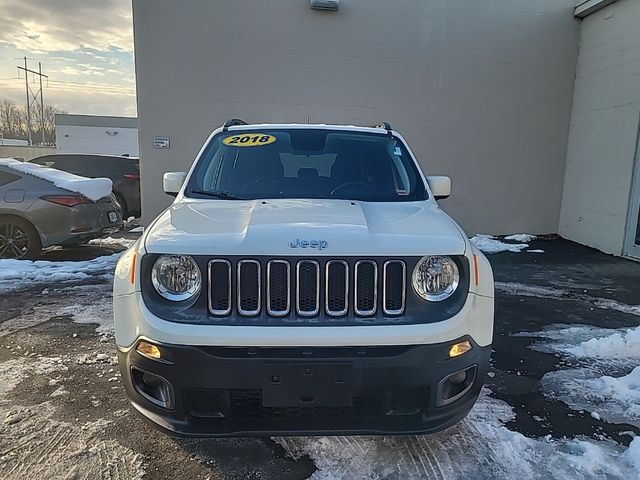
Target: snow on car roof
column 92, row 188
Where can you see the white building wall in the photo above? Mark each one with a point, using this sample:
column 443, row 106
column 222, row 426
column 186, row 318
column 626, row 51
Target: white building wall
column 604, row 128
column 98, row 140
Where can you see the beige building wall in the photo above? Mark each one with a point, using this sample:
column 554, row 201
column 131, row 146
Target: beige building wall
column 24, row 153
column 481, row 90
column 604, row 129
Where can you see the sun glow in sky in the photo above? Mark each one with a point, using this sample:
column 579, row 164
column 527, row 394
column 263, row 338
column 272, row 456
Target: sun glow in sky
column 85, row 46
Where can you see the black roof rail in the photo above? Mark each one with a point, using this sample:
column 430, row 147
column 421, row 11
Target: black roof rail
column 233, row 122
column 385, row 125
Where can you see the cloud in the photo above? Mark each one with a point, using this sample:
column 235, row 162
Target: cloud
column 41, row 26
column 85, row 46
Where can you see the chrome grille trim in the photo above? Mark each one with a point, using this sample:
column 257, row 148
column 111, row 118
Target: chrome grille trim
column 229, row 299
column 278, row 313
column 366, row 313
column 384, row 289
column 248, row 313
column 337, row 313
column 309, row 313
column 380, row 288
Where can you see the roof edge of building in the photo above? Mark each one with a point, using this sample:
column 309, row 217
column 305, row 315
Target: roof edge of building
column 95, row 121
column 587, row 7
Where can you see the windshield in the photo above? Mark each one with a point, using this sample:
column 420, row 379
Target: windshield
column 306, row 163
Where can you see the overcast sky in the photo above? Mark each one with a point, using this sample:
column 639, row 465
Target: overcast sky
column 85, row 46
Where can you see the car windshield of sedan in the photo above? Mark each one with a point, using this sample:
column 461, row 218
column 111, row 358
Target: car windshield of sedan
column 306, row 163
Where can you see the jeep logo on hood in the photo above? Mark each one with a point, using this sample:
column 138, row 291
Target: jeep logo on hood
column 318, row 244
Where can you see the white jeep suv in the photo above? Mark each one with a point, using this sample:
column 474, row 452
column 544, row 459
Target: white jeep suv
column 304, row 281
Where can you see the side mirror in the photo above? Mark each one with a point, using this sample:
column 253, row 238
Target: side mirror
column 172, row 182
column 440, row 186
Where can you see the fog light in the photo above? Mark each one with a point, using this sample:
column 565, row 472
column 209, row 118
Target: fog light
column 151, row 380
column 456, row 385
column 149, row 350
column 458, row 378
column 153, row 388
column 459, row 349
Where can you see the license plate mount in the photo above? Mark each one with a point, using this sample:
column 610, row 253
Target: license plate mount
column 304, row 384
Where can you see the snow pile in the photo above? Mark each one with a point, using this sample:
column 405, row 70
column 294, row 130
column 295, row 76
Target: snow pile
column 16, row 274
column 137, row 230
column 612, row 399
column 588, row 342
column 616, row 345
column 604, row 376
column 480, row 447
column 624, row 391
column 521, row 237
column 489, row 244
column 112, row 242
column 92, row 188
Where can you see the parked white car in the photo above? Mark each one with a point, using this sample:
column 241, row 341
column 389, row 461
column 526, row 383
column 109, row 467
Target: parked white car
column 304, row 281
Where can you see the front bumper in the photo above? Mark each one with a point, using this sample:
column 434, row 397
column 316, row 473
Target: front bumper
column 235, row 391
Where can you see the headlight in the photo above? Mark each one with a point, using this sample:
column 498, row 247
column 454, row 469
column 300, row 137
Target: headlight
column 436, row 278
column 176, row 277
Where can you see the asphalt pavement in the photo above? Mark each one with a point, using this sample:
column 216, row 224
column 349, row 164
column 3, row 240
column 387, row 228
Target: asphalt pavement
column 64, row 414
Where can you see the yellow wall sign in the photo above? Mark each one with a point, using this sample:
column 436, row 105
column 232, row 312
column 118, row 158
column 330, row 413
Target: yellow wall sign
column 249, row 140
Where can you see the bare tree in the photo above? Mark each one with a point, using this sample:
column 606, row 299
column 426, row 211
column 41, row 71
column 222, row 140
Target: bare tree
column 49, row 124
column 13, row 122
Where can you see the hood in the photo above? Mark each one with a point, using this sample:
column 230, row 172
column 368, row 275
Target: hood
column 293, row 227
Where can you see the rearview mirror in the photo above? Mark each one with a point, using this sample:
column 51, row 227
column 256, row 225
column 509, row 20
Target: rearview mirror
column 172, row 182
column 440, row 186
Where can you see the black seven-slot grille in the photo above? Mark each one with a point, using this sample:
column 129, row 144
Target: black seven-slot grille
column 305, row 287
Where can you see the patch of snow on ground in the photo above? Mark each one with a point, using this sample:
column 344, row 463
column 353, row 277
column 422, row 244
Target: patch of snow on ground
column 49, row 448
column 536, row 251
column 603, row 377
column 480, row 447
column 94, row 307
column 522, row 290
column 564, row 335
column 620, row 307
column 588, row 342
column 615, row 400
column 110, row 242
column 489, row 244
column 11, row 374
column 16, row 274
column 92, row 188
column 521, row 237
column 137, row 230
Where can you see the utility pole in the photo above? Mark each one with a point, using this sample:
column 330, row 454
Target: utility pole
column 34, row 99
column 26, row 83
column 41, row 103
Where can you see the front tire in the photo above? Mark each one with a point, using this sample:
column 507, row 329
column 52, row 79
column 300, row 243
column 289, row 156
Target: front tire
column 19, row 240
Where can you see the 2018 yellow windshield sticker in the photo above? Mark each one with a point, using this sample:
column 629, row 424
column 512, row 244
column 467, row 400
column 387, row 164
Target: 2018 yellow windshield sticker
column 249, row 140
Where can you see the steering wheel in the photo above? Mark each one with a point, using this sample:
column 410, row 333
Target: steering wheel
column 351, row 184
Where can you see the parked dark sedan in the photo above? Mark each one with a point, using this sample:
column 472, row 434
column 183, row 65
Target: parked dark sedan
column 34, row 213
column 124, row 172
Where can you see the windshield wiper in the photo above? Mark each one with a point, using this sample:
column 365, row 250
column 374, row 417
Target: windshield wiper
column 221, row 195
